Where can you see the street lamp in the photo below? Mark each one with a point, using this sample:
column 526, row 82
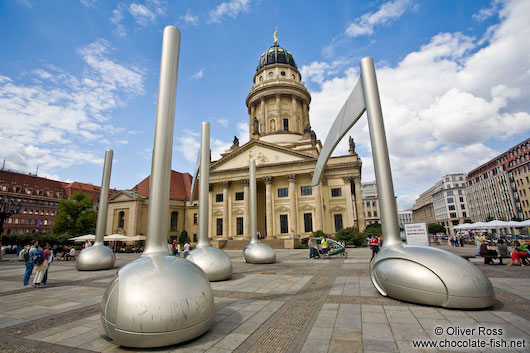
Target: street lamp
column 8, row 207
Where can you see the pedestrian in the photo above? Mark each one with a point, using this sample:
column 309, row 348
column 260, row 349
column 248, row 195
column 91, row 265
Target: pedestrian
column 174, row 248
column 325, row 248
column 310, row 244
column 178, row 249
column 186, row 249
column 502, row 250
column 31, row 252
column 461, row 239
column 452, row 240
column 41, row 263
column 50, row 260
column 374, row 245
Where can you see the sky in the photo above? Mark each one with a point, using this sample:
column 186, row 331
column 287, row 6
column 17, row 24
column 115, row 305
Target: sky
column 79, row 77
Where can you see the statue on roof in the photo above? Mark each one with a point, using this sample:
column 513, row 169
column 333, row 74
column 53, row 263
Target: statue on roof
column 313, row 138
column 352, row 145
column 276, row 36
column 255, row 125
column 235, row 143
column 307, row 129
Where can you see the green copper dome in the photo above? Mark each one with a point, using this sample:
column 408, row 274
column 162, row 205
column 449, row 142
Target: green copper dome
column 276, row 55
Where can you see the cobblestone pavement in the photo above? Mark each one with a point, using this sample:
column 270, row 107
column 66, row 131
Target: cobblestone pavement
column 293, row 305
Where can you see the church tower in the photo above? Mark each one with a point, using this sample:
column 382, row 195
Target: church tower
column 278, row 103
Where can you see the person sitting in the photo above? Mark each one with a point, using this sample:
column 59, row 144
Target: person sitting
column 70, row 255
column 502, row 250
column 518, row 254
column 487, row 253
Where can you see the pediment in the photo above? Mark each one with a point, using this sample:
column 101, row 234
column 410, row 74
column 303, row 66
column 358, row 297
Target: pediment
column 122, row 196
column 263, row 153
column 337, row 208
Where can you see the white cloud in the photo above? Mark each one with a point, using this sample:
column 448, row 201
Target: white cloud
column 223, row 122
column 88, row 3
column 197, row 75
column 389, row 11
column 48, row 121
column 488, row 12
column 189, row 19
column 230, row 8
column 441, row 103
column 142, row 15
column 318, row 70
column 117, row 17
column 243, row 133
column 189, row 144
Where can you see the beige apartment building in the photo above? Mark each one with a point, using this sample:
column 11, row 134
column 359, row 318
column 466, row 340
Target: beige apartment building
column 423, row 208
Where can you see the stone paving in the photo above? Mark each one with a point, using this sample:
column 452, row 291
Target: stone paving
column 294, row 305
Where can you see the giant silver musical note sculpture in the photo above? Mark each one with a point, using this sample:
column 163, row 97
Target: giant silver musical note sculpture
column 214, row 262
column 256, row 252
column 159, row 299
column 415, row 274
column 98, row 256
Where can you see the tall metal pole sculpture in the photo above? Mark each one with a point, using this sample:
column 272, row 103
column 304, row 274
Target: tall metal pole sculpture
column 214, row 262
column 159, row 299
column 98, row 256
column 256, row 252
column 415, row 274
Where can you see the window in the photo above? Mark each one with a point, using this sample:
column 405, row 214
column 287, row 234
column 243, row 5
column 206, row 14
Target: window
column 219, row 226
column 174, row 221
column 239, row 225
column 452, row 215
column 219, row 198
column 336, row 192
column 121, row 219
column 451, row 207
column 194, row 218
column 450, row 200
column 240, row 196
column 282, row 73
column 461, row 199
column 338, row 222
column 285, row 124
column 270, row 74
column 284, row 224
column 306, row 190
column 450, row 193
column 369, row 214
column 308, row 222
column 374, row 203
column 375, row 213
column 283, row 192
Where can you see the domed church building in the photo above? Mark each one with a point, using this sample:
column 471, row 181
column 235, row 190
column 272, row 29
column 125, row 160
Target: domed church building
column 286, row 150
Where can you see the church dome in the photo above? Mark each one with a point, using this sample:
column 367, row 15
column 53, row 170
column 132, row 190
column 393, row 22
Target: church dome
column 276, row 55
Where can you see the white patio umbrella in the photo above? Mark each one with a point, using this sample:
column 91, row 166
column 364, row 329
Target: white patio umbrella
column 116, row 237
column 136, row 238
column 82, row 238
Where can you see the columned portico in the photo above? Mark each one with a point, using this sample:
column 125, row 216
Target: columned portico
column 359, row 204
column 293, row 212
column 226, row 216
column 349, row 201
column 268, row 205
column 246, row 215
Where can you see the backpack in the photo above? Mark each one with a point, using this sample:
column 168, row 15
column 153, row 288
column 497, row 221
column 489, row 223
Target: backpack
column 40, row 259
column 24, row 255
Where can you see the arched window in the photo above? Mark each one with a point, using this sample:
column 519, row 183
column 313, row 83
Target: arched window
column 174, row 221
column 121, row 219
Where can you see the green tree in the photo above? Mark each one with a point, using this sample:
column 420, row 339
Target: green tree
column 183, row 237
column 434, row 228
column 75, row 216
column 350, row 235
column 373, row 229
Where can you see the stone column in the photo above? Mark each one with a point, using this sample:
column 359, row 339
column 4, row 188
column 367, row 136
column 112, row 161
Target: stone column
column 359, row 204
column 268, row 205
column 279, row 120
column 318, row 208
column 305, row 114
column 295, row 127
column 293, row 224
column 251, row 121
column 212, row 228
column 349, row 202
column 265, row 124
column 225, row 185
column 246, row 215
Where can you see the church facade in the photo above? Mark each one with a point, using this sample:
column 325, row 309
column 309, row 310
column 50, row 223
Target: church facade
column 286, row 150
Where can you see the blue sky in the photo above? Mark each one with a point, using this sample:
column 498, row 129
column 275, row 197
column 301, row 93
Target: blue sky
column 77, row 77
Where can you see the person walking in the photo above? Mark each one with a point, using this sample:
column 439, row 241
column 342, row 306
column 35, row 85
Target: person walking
column 29, row 259
column 50, row 260
column 41, row 265
column 174, row 248
column 178, row 249
column 325, row 248
column 186, row 249
column 374, row 245
column 310, row 244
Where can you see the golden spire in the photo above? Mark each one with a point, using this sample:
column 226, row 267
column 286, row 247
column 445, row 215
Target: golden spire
column 276, row 35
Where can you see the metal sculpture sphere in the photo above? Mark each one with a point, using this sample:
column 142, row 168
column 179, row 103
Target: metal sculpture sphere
column 157, row 301
column 214, row 262
column 96, row 257
column 259, row 253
